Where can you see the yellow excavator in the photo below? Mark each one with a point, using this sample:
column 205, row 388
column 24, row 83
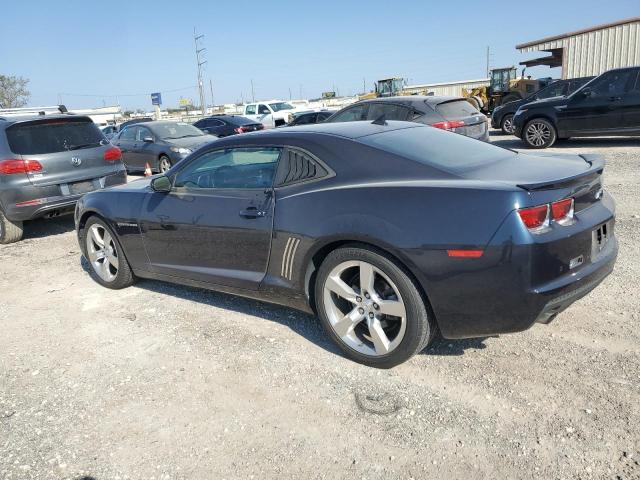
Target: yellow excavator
column 387, row 87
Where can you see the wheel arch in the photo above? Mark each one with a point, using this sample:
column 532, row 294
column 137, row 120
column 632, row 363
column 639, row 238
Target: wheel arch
column 316, row 255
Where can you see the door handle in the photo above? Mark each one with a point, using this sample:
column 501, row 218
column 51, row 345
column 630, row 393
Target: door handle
column 252, row 212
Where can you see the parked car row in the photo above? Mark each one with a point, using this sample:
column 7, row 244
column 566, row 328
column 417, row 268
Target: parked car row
column 607, row 105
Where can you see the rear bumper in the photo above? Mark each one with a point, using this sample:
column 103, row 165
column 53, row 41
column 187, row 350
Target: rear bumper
column 519, row 280
column 48, row 203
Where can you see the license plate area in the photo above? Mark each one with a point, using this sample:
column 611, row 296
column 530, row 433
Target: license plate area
column 79, row 188
column 599, row 238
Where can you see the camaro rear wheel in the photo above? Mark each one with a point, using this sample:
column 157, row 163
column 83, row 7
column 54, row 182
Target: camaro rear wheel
column 109, row 267
column 371, row 308
column 539, row 133
column 10, row 231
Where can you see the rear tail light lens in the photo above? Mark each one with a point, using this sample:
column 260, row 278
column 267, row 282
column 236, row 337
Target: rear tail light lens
column 449, row 124
column 562, row 211
column 112, row 154
column 535, row 218
column 13, row 166
column 238, row 130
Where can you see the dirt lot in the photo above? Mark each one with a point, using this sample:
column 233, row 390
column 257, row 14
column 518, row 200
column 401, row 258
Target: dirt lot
column 160, row 381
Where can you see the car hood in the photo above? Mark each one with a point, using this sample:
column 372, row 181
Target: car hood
column 524, row 169
column 133, row 186
column 191, row 142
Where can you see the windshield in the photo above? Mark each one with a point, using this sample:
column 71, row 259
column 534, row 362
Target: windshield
column 171, row 131
column 276, row 107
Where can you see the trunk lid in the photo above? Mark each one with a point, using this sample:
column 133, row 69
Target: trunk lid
column 71, row 150
column 474, row 123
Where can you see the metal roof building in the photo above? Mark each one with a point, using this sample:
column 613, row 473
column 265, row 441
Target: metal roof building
column 590, row 51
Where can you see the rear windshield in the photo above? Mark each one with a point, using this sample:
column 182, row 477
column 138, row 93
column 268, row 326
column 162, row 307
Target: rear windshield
column 447, row 151
column 238, row 120
column 51, row 136
column 456, row 109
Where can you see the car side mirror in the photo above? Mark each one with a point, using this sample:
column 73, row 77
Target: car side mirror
column 147, row 139
column 161, row 184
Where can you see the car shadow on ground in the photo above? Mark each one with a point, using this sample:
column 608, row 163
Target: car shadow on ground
column 509, row 141
column 303, row 324
column 44, row 227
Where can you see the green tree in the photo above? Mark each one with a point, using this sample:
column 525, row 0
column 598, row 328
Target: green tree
column 13, row 91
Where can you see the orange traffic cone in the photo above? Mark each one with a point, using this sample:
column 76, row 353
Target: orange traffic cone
column 147, row 170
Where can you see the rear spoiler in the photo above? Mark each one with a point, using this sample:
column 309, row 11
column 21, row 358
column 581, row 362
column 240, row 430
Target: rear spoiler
column 596, row 163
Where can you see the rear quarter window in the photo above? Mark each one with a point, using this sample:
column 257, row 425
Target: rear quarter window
column 456, row 109
column 52, row 136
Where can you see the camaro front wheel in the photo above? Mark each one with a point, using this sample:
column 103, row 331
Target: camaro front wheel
column 371, row 307
column 107, row 262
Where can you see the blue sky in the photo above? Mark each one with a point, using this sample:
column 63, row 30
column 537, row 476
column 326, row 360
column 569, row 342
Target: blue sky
column 133, row 48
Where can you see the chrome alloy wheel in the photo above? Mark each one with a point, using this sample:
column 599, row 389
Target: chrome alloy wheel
column 102, row 253
column 508, row 124
column 538, row 133
column 364, row 308
column 165, row 164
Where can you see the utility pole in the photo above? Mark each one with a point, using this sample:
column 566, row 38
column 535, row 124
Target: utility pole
column 200, row 63
column 213, row 104
column 364, row 85
column 488, row 61
column 289, row 93
column 253, row 94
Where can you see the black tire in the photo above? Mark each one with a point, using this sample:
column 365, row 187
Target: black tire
column 420, row 326
column 124, row 276
column 506, row 125
column 164, row 160
column 10, row 231
column 539, row 125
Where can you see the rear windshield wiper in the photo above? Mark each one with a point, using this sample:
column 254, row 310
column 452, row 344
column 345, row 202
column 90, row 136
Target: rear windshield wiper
column 83, row 145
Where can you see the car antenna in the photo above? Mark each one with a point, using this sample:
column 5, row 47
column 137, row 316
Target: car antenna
column 381, row 120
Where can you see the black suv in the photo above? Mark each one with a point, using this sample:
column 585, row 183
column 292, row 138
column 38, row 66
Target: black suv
column 502, row 116
column 608, row 105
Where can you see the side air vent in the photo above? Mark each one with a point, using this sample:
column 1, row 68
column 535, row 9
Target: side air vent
column 288, row 257
column 297, row 167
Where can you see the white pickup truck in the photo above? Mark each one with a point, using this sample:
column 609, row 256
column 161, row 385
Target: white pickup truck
column 271, row 114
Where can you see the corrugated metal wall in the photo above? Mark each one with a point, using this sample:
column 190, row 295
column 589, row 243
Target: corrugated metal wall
column 447, row 89
column 594, row 52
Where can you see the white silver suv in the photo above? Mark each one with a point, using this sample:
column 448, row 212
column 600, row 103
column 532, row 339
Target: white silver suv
column 274, row 113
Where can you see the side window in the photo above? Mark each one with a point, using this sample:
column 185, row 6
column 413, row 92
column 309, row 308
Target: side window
column 263, row 109
column 143, row 133
column 390, row 112
column 250, row 110
column 129, row 133
column 231, row 168
column 306, row 119
column 214, row 122
column 351, row 114
column 637, row 85
column 297, row 166
column 612, row 83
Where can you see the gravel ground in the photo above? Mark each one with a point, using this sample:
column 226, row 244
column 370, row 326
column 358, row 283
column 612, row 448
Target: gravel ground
column 160, row 381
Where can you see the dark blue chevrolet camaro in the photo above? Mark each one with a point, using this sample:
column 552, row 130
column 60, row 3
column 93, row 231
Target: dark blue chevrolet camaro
column 388, row 231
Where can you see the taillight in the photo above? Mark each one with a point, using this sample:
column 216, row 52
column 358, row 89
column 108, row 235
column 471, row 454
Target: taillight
column 562, row 211
column 13, row 166
column 112, row 154
column 448, row 124
column 535, row 218
column 238, row 130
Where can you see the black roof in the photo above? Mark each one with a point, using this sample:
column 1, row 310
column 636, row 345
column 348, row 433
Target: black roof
column 7, row 121
column 351, row 130
column 414, row 99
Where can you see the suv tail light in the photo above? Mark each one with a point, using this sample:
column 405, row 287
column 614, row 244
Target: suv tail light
column 112, row 154
column 537, row 219
column 448, row 124
column 12, row 166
